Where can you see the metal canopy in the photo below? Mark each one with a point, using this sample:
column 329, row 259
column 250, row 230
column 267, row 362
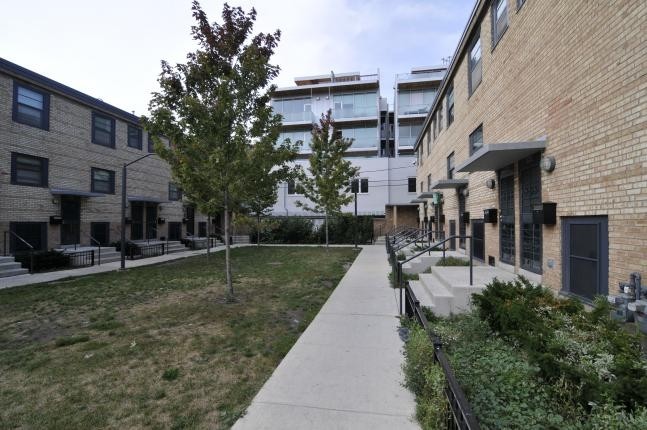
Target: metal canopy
column 145, row 199
column 70, row 192
column 449, row 183
column 426, row 195
column 416, row 201
column 494, row 156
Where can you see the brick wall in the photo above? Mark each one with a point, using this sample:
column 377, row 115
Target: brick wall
column 574, row 73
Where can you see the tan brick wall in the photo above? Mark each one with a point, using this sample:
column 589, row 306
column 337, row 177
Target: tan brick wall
column 573, row 72
column 71, row 154
column 401, row 216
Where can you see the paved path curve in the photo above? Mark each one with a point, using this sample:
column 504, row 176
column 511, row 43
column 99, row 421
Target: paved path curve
column 344, row 372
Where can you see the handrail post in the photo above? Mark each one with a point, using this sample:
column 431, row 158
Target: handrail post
column 31, row 261
column 471, row 257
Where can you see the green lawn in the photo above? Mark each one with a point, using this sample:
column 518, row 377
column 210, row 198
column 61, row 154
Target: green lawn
column 157, row 346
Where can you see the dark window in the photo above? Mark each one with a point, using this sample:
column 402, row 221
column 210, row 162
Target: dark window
column 34, row 233
column 202, row 229
column 450, row 105
column 363, row 185
column 174, row 192
column 412, row 185
column 506, row 208
column 103, row 181
column 531, row 233
column 292, row 187
column 450, row 166
column 476, row 139
column 440, row 116
column 499, row 20
column 474, row 63
column 520, row 3
column 151, row 143
column 30, row 106
column 359, row 186
column 422, row 186
column 103, row 130
column 134, row 137
column 29, row 170
column 428, row 182
column 461, row 223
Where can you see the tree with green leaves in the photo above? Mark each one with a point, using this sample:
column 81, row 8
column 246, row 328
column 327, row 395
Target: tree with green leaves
column 329, row 174
column 213, row 108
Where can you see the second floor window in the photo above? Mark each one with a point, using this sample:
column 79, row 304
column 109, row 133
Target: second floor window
column 474, row 63
column 450, row 166
column 499, row 20
column 103, row 130
column 30, row 106
column 440, row 116
column 411, row 186
column 359, row 186
column 450, row 105
column 294, row 188
column 29, row 170
column 103, row 181
column 428, row 182
column 174, row 192
column 134, row 137
column 476, row 139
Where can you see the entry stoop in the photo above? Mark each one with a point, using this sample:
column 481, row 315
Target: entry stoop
column 9, row 267
column 447, row 290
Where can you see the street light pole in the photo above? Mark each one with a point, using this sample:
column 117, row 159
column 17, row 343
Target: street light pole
column 124, row 173
column 355, row 217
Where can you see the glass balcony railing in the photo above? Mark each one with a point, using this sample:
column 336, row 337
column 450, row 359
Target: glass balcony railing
column 364, row 143
column 417, row 109
column 424, row 75
column 297, row 116
column 355, row 112
column 407, row 141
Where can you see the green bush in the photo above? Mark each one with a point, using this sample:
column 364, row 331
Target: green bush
column 298, row 230
column 425, row 379
column 452, row 261
column 401, row 256
column 44, row 260
column 293, row 230
column 341, row 229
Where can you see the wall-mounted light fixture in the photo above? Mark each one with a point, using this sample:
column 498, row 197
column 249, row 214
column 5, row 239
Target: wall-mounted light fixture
column 465, row 192
column 55, row 200
column 548, row 163
column 490, row 183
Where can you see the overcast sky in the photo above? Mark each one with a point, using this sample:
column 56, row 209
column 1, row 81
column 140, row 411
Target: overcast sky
column 112, row 50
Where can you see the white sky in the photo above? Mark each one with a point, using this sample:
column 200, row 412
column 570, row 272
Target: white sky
column 112, row 49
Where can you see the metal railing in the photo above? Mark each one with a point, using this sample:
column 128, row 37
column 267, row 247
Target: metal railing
column 80, row 258
column 145, row 250
column 461, row 415
column 31, row 248
column 93, row 240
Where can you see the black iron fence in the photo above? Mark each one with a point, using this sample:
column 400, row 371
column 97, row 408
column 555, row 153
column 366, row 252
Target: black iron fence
column 81, row 258
column 137, row 251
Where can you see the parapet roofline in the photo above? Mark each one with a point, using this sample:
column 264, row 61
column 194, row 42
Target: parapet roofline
column 423, row 69
column 327, row 77
column 44, row 82
column 363, row 83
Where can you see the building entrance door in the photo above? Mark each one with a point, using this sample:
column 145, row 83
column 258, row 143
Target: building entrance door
column 71, row 226
column 137, row 221
column 478, row 239
column 506, row 224
column 190, row 221
column 531, row 233
column 452, row 233
column 174, row 230
column 151, row 221
column 585, row 251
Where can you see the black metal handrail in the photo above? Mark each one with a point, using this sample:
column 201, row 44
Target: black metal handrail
column 80, row 258
column 403, row 238
column 31, row 248
column 462, row 416
column 145, row 250
column 421, row 236
column 92, row 239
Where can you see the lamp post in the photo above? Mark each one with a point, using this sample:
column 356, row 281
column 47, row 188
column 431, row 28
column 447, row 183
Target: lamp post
column 123, row 207
column 355, row 192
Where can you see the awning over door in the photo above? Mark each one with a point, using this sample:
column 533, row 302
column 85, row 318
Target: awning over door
column 426, row 195
column 146, row 199
column 449, row 183
column 70, row 192
column 494, row 156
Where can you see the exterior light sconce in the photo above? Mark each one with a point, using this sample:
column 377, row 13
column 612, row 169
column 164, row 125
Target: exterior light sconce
column 465, row 192
column 490, row 183
column 548, row 163
column 55, row 201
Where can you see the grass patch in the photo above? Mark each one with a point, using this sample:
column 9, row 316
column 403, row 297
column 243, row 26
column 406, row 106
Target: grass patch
column 99, row 351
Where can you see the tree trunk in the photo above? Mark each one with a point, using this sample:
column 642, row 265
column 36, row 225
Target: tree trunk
column 258, row 230
column 326, row 230
column 230, row 286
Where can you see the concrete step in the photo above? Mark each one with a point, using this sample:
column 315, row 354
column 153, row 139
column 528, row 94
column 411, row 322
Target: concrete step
column 442, row 298
column 6, row 259
column 9, row 265
column 13, row 272
column 425, row 261
column 422, row 294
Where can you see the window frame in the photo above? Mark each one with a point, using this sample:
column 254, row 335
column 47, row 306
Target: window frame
column 110, row 144
column 451, row 166
column 471, row 86
column 450, row 104
column 411, row 181
column 471, row 139
column 44, row 170
column 44, row 120
column 295, row 188
column 111, row 173
column 429, row 182
column 174, row 192
column 359, row 184
column 138, row 130
column 496, row 36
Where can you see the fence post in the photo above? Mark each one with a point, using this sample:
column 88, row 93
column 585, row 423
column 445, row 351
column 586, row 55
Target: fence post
column 31, row 261
column 92, row 257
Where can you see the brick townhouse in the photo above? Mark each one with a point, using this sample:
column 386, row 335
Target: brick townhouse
column 537, row 142
column 61, row 156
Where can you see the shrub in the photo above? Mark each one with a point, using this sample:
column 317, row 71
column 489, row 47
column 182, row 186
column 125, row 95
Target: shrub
column 452, row 261
column 341, row 229
column 292, row 230
column 401, row 256
column 425, row 379
column 171, row 374
column 44, row 260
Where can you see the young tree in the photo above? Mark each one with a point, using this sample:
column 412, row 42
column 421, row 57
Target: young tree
column 268, row 166
column 329, row 174
column 212, row 108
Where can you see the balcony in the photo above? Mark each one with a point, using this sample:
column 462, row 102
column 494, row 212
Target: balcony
column 298, row 117
column 355, row 112
column 414, row 109
column 424, row 76
column 407, row 141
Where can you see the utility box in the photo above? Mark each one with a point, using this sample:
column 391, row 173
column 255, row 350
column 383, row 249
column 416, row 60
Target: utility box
column 545, row 213
column 490, row 216
column 466, row 217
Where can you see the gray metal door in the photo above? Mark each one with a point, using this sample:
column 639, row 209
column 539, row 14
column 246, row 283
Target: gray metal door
column 531, row 233
column 506, row 216
column 478, row 239
column 71, row 226
column 452, row 232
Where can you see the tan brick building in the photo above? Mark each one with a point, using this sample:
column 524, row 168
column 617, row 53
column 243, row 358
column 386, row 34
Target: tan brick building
column 61, row 158
column 544, row 102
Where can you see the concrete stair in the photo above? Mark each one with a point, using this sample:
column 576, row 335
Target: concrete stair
column 446, row 290
column 9, row 267
column 381, row 240
column 425, row 261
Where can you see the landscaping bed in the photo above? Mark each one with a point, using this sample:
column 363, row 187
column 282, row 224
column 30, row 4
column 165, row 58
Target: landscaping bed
column 527, row 359
column 157, row 346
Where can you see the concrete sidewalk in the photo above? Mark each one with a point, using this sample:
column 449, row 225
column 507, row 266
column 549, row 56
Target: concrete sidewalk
column 344, row 372
column 37, row 278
